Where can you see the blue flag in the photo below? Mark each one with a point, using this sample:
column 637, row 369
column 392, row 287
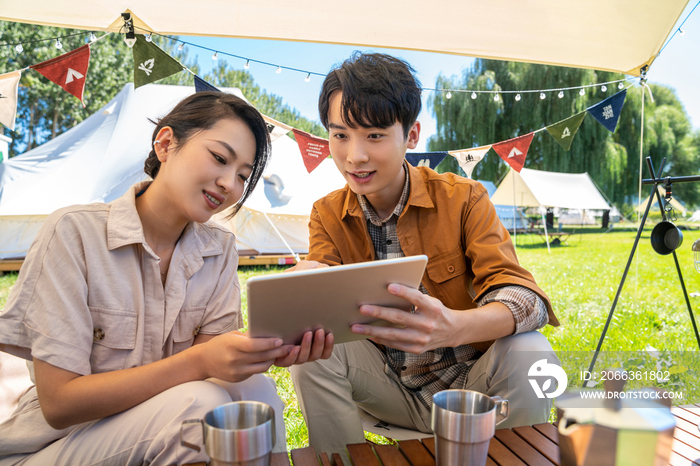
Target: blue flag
column 201, row 85
column 425, row 159
column 608, row 111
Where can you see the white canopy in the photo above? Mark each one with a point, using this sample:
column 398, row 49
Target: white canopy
column 623, row 36
column 97, row 161
column 534, row 188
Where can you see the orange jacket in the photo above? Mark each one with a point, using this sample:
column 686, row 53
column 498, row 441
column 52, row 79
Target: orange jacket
column 448, row 218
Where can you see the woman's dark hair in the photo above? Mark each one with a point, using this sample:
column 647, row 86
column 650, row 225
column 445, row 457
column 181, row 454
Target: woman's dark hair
column 203, row 110
column 378, row 90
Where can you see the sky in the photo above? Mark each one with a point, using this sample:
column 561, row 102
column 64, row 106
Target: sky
column 678, row 66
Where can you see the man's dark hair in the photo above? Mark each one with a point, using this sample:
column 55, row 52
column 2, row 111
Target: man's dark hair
column 378, row 90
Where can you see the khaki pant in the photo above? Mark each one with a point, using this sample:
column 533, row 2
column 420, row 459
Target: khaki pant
column 329, row 391
column 149, row 433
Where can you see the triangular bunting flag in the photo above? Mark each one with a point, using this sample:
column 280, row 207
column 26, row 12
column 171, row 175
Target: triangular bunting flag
column 151, row 63
column 313, row 149
column 277, row 129
column 425, row 159
column 513, row 151
column 68, row 70
column 201, row 85
column 468, row 158
column 563, row 132
column 9, row 85
column 608, row 111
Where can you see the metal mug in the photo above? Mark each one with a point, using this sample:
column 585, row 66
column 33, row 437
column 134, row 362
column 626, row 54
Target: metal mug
column 464, row 421
column 240, row 433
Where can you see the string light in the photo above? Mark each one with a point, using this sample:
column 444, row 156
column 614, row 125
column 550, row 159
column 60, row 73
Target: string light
column 603, row 88
column 93, row 37
column 149, row 37
column 448, row 95
column 473, row 95
column 681, row 31
column 542, row 96
column 561, row 94
column 517, row 97
column 215, row 56
column 58, row 44
column 620, row 86
column 247, row 64
column 582, row 92
column 279, row 70
column 496, row 98
column 308, row 78
column 181, row 47
column 19, row 48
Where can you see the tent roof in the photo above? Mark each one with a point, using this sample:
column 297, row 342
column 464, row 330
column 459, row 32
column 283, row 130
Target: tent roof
column 622, row 36
column 534, row 188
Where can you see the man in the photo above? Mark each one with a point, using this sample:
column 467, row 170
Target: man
column 473, row 293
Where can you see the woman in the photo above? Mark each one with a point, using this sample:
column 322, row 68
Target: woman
column 126, row 309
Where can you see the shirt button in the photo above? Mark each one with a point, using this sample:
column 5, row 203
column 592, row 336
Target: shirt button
column 403, row 368
column 196, row 330
column 98, row 334
column 388, row 241
column 450, row 268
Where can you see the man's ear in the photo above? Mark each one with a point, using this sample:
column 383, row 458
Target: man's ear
column 164, row 143
column 413, row 135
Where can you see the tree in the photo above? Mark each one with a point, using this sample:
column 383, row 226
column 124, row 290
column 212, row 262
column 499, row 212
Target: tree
column 612, row 160
column 44, row 110
column 269, row 104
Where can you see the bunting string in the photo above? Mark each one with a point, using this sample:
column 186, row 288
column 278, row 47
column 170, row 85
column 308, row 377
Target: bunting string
column 151, row 64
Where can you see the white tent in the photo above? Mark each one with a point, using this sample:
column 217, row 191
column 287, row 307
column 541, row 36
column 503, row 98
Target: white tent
column 99, row 159
column 535, row 188
column 655, row 204
column 623, row 36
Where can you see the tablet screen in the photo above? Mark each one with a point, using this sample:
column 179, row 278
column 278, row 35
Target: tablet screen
column 286, row 305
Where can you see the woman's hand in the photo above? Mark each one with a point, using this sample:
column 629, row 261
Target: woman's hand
column 306, row 265
column 314, row 345
column 234, row 356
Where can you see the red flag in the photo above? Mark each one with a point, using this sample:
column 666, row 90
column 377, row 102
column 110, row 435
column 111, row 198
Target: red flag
column 313, row 149
column 68, row 70
column 513, row 151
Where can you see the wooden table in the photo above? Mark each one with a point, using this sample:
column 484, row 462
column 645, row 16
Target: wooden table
column 521, row 446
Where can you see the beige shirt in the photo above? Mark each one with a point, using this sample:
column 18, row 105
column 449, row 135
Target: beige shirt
column 89, row 298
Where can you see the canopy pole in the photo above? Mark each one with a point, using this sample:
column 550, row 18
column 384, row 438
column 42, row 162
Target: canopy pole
column 296, row 256
column 515, row 234
column 546, row 236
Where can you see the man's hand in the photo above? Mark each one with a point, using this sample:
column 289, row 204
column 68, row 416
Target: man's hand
column 432, row 325
column 314, row 345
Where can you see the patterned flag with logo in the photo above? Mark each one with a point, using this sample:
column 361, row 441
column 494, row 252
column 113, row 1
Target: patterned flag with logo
column 68, row 70
column 514, row 151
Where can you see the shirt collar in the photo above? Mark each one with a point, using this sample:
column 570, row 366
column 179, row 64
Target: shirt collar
column 124, row 227
column 415, row 187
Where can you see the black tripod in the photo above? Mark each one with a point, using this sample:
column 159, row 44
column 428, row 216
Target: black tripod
column 668, row 181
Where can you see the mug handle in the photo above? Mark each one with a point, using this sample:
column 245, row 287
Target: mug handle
column 191, row 446
column 501, row 409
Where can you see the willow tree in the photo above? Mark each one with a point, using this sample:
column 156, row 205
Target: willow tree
column 611, row 159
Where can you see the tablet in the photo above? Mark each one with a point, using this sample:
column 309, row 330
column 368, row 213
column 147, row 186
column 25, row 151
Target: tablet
column 289, row 304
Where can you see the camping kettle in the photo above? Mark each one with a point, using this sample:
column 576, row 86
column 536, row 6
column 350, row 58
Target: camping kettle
column 625, row 428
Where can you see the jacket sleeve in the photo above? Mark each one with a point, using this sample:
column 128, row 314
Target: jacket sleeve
column 491, row 253
column 321, row 247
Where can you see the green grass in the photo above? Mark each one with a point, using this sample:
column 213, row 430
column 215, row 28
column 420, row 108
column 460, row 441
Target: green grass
column 581, row 277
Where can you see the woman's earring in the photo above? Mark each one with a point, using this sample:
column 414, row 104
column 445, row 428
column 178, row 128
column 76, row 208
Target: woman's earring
column 156, row 142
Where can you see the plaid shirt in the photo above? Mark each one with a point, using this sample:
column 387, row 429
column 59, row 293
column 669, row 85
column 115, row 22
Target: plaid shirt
column 428, row 373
